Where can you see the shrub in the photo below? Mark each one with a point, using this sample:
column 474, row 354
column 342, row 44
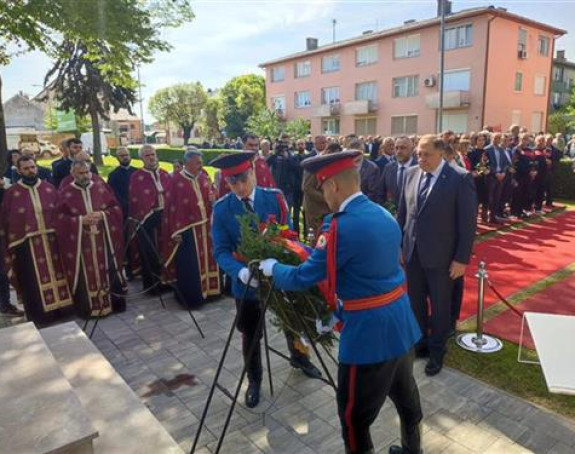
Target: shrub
column 167, row 154
column 564, row 180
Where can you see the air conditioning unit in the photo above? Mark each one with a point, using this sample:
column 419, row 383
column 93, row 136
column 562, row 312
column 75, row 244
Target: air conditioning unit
column 522, row 54
column 429, row 81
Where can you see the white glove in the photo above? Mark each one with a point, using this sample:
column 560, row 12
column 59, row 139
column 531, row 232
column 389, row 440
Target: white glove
column 244, row 276
column 267, row 267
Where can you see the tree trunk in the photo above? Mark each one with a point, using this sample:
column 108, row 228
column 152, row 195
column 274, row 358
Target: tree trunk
column 187, row 133
column 3, row 140
column 97, row 150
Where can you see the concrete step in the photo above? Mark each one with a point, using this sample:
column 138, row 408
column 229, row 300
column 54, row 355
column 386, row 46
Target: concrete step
column 124, row 423
column 40, row 412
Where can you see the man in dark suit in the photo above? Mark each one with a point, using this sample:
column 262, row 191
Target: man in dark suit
column 437, row 214
column 498, row 165
column 392, row 177
column 62, row 170
column 372, row 148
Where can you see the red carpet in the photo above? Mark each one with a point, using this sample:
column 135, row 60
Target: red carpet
column 484, row 227
column 520, row 258
column 557, row 299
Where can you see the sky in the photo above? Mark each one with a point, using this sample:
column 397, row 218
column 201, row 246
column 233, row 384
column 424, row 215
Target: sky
column 231, row 37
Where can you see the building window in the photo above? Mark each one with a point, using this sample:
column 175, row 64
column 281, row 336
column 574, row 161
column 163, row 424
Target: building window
column 404, row 125
column 457, row 80
column 366, row 55
column 302, row 99
column 407, row 47
column 278, row 73
column 302, row 69
column 515, row 117
column 455, row 121
column 518, row 81
column 522, row 43
column 366, row 126
column 457, row 37
column 330, row 95
column 330, row 126
column 366, row 91
column 543, row 45
column 540, row 82
column 404, row 87
column 330, row 63
column 279, row 103
column 536, row 122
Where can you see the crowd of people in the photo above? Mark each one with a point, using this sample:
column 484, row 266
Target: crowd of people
column 71, row 242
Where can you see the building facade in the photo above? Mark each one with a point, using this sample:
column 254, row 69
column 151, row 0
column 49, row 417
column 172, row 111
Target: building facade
column 563, row 80
column 497, row 72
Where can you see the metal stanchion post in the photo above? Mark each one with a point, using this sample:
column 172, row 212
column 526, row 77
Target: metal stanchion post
column 479, row 342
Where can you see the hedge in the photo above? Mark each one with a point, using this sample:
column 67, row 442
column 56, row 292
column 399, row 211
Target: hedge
column 168, row 154
column 564, row 180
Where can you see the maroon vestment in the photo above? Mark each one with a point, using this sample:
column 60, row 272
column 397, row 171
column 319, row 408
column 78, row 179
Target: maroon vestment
column 189, row 208
column 147, row 192
column 69, row 179
column 27, row 226
column 93, row 255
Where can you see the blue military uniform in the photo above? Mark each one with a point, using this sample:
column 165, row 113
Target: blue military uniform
column 359, row 248
column 264, row 202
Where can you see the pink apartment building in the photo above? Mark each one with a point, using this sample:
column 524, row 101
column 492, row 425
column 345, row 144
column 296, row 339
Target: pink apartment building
column 497, row 72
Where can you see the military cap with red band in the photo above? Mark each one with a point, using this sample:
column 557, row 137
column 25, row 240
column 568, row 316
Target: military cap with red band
column 234, row 163
column 326, row 166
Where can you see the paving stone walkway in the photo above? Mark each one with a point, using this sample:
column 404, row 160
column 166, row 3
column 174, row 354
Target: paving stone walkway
column 147, row 344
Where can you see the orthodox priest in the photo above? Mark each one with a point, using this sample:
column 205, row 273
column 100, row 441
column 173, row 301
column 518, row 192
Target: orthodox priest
column 187, row 233
column 31, row 253
column 147, row 200
column 89, row 228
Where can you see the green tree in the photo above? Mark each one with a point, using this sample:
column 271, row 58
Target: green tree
column 116, row 35
column 298, row 128
column 265, row 123
column 181, row 103
column 212, row 121
column 560, row 121
column 242, row 97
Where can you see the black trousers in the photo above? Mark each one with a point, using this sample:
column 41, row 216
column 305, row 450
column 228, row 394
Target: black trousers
column 249, row 315
column 430, row 288
column 523, row 194
column 549, row 188
column 148, row 242
column 495, row 188
column 297, row 202
column 362, row 390
column 540, row 183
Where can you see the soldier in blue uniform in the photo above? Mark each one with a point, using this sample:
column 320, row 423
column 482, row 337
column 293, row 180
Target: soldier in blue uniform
column 366, row 282
column 245, row 197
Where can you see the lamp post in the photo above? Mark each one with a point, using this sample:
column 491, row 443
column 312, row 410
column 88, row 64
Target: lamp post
column 143, row 135
column 441, row 64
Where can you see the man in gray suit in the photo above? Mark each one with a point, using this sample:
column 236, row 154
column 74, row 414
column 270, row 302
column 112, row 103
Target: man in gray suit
column 392, row 177
column 437, row 214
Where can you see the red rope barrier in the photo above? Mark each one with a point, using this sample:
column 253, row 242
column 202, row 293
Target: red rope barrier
column 502, row 298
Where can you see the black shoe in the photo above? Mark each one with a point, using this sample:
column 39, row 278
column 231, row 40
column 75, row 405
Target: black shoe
column 305, row 365
column 434, row 365
column 9, row 310
column 395, row 449
column 253, row 394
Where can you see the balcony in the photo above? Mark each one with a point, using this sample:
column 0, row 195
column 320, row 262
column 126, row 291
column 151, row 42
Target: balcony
column 451, row 100
column 328, row 110
column 361, row 107
column 560, row 86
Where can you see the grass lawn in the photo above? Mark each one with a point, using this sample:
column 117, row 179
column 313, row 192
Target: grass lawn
column 110, row 163
column 502, row 370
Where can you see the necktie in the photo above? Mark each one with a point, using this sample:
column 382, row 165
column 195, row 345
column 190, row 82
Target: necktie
column 248, row 205
column 400, row 178
column 423, row 191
